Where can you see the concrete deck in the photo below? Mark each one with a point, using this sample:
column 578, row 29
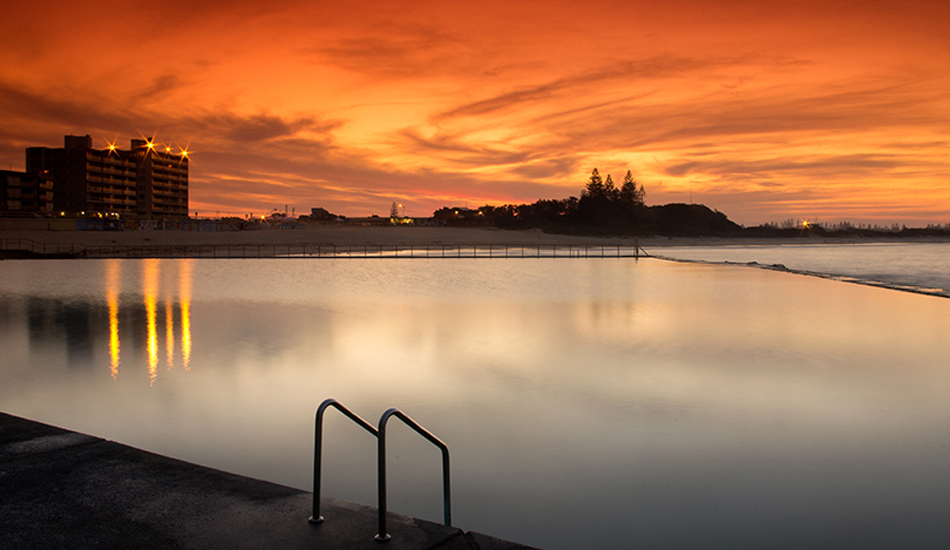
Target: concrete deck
column 62, row 489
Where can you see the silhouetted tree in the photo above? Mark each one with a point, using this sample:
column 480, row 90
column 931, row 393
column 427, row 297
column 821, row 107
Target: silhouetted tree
column 595, row 187
column 596, row 206
column 628, row 191
column 610, row 190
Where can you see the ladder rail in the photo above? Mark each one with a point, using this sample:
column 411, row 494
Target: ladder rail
column 382, row 535
column 380, row 434
column 318, row 447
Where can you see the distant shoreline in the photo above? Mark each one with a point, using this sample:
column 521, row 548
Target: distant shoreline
column 417, row 236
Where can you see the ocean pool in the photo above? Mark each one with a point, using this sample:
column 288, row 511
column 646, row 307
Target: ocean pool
column 596, row 403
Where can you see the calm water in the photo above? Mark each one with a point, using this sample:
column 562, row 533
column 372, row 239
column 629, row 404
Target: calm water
column 587, row 403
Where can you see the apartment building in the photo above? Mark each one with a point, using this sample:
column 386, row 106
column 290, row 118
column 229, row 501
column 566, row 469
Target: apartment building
column 140, row 182
column 23, row 194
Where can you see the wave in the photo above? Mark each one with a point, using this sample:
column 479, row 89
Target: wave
column 918, row 268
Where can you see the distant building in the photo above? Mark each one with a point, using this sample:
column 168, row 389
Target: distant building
column 86, row 179
column 25, row 194
column 161, row 183
column 459, row 216
column 321, row 214
column 141, row 182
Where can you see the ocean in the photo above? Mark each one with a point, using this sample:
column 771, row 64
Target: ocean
column 916, row 267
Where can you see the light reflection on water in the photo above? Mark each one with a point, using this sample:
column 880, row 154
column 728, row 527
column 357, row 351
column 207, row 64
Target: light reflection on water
column 587, row 403
column 152, row 295
column 112, row 295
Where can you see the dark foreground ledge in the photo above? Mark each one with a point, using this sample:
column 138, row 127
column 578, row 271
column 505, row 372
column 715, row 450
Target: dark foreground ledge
column 62, row 489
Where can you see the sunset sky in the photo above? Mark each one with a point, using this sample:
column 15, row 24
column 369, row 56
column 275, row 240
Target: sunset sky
column 835, row 110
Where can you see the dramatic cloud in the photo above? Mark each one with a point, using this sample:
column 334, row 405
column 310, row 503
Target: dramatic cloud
column 766, row 111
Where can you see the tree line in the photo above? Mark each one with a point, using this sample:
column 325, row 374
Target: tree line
column 628, row 193
column 602, row 209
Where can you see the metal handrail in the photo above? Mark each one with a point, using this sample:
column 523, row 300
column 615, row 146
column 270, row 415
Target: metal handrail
column 382, row 535
column 318, row 447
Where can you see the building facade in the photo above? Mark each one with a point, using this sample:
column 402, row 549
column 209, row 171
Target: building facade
column 161, row 181
column 23, row 194
column 140, row 182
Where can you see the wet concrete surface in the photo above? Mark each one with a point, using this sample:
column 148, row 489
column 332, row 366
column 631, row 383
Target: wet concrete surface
column 62, row 489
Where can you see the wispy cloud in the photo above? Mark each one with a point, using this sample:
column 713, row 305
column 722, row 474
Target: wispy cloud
column 408, row 51
column 161, row 85
column 758, row 109
column 261, row 127
column 853, row 165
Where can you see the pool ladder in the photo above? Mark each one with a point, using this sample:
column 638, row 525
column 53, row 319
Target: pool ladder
column 380, row 433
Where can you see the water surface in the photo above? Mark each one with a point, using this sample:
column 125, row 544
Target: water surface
column 597, row 403
column 916, row 266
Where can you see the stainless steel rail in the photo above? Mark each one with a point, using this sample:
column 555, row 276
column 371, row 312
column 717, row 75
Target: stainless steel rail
column 318, row 447
column 380, row 433
column 382, row 535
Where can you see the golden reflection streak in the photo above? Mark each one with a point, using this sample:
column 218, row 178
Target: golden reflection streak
column 169, row 331
column 184, row 296
column 113, row 274
column 150, row 290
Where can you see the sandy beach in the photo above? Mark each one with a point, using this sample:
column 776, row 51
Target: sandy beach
column 315, row 234
column 381, row 235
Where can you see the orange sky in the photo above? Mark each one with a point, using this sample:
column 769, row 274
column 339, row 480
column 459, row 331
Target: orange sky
column 836, row 110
